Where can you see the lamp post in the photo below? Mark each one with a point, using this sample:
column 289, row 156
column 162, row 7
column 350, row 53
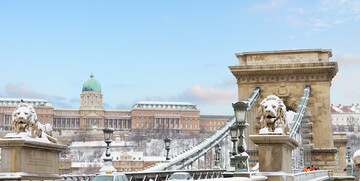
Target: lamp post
column 301, row 160
column 108, row 167
column 167, row 147
column 241, row 159
column 233, row 134
column 217, row 156
column 349, row 164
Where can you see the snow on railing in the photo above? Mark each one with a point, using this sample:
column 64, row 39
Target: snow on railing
column 188, row 157
column 312, row 175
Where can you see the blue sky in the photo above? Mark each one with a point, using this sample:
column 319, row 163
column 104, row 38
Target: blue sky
column 165, row 50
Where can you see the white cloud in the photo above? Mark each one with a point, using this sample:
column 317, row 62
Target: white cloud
column 345, row 88
column 21, row 91
column 347, row 60
column 199, row 95
column 293, row 21
column 271, row 5
column 322, row 24
column 203, row 95
column 318, row 17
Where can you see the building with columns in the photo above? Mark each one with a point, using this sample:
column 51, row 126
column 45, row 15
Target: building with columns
column 179, row 117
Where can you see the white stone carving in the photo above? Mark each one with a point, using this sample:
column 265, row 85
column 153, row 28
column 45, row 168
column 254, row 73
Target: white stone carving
column 272, row 112
column 25, row 125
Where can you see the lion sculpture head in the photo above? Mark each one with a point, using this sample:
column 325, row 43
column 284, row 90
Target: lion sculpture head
column 272, row 112
column 24, row 120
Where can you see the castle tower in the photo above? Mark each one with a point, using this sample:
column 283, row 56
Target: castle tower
column 91, row 96
column 91, row 104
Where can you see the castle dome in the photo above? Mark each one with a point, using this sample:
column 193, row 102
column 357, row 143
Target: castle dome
column 91, row 85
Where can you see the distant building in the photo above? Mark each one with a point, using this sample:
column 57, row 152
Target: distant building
column 43, row 108
column 134, row 161
column 177, row 117
column 346, row 122
column 345, row 118
column 211, row 123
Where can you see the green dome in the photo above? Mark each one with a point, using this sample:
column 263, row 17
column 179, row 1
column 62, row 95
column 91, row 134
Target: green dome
column 91, row 84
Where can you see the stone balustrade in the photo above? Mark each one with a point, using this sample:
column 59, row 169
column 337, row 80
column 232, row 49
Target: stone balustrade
column 312, row 175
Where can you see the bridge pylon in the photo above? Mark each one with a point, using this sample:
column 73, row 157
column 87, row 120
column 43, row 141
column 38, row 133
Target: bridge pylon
column 285, row 73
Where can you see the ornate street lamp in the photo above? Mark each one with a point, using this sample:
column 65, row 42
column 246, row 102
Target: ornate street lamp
column 349, row 164
column 241, row 159
column 167, row 147
column 233, row 134
column 217, row 156
column 240, row 109
column 108, row 132
column 301, row 160
column 108, row 167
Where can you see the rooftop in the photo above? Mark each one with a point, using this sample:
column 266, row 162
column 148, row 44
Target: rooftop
column 354, row 108
column 318, row 50
column 164, row 105
column 16, row 101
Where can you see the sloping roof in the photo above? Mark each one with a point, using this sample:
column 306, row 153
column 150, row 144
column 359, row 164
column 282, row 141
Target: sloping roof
column 354, row 108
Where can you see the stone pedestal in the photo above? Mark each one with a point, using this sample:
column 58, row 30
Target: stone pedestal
column 324, row 158
column 275, row 155
column 340, row 142
column 28, row 159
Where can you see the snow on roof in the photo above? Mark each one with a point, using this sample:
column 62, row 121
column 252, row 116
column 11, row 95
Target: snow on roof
column 154, row 158
column 164, row 105
column 354, row 108
column 86, row 164
column 16, row 101
column 135, row 155
column 77, row 144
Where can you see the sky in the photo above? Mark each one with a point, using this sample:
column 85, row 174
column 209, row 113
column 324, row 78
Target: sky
column 165, row 50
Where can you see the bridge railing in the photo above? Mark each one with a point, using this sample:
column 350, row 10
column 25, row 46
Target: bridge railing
column 78, row 177
column 188, row 157
column 156, row 175
column 312, row 175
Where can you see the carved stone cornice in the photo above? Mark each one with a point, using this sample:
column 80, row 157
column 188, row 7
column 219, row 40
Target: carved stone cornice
column 330, row 67
column 319, row 71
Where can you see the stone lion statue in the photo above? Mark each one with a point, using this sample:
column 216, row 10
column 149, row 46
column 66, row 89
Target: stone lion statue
column 24, row 120
column 272, row 112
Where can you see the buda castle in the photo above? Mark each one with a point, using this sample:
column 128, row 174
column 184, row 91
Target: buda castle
column 178, row 117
